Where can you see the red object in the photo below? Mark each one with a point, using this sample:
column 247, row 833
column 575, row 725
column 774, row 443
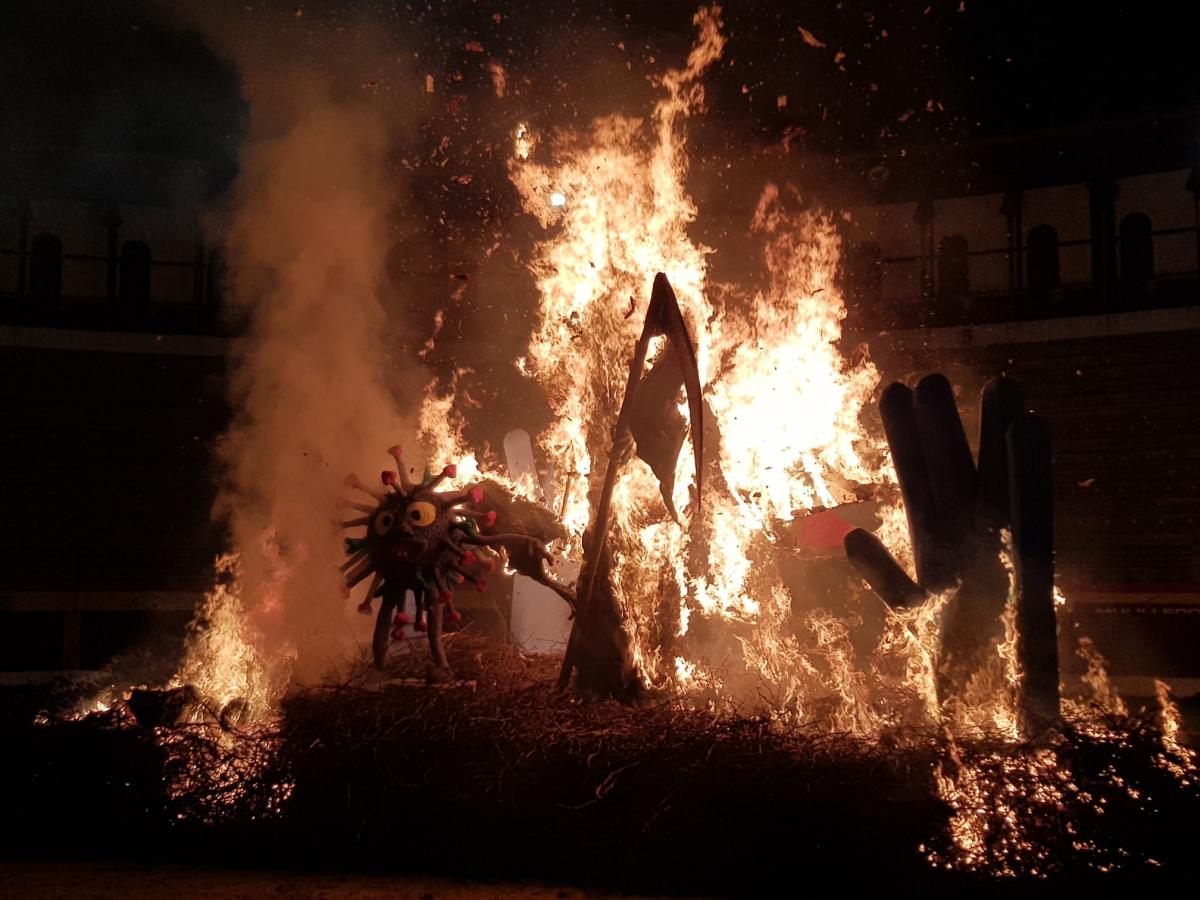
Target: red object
column 450, row 471
column 365, row 607
column 420, row 626
column 481, row 585
column 491, row 518
column 455, row 616
column 445, row 596
column 394, row 450
column 823, row 531
column 476, row 495
column 387, row 476
column 468, row 558
column 398, row 633
column 403, row 619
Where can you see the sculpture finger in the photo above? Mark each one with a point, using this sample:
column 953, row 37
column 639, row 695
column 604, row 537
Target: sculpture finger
column 1003, row 400
column 1031, row 491
column 948, row 461
column 873, row 562
column 897, row 410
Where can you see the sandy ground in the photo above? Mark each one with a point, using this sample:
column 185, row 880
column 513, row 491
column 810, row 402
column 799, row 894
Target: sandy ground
column 89, row 880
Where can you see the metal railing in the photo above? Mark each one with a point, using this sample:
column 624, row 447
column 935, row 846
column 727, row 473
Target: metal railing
column 1015, row 302
column 183, row 294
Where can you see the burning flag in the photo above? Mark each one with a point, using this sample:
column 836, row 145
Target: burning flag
column 647, row 417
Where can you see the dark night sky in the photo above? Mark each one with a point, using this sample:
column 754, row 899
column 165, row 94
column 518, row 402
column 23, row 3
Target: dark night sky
column 120, row 73
column 113, row 76
column 130, row 76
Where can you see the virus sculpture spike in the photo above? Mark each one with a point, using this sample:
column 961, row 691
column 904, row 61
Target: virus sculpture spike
column 428, row 543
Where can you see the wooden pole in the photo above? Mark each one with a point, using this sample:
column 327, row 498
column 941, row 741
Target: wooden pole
column 616, row 460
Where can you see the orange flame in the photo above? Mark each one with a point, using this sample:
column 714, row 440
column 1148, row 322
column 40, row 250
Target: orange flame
column 221, row 661
column 786, row 404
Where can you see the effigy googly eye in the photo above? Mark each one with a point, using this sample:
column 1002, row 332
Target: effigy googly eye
column 384, row 521
column 421, row 513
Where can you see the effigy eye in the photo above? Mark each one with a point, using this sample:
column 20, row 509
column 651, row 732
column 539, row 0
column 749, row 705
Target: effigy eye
column 384, row 521
column 421, row 513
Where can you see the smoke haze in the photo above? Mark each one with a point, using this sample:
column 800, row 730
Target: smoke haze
column 315, row 392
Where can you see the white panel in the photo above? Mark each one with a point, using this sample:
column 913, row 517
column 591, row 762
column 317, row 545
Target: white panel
column 538, row 622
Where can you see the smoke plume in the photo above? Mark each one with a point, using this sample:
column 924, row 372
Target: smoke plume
column 313, row 387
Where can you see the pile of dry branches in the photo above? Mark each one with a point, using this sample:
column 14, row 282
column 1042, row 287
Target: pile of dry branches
column 496, row 774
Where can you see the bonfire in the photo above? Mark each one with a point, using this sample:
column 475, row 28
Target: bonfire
column 693, row 432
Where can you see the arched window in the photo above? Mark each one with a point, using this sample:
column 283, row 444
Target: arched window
column 135, row 276
column 953, row 278
column 864, row 275
column 1137, row 249
column 45, row 268
column 1044, row 273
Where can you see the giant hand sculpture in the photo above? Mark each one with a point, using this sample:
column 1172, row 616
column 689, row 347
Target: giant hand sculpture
column 956, row 513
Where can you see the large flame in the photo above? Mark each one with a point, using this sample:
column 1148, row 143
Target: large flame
column 786, row 405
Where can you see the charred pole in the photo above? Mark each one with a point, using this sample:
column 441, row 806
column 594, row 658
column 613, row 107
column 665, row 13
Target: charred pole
column 663, row 317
